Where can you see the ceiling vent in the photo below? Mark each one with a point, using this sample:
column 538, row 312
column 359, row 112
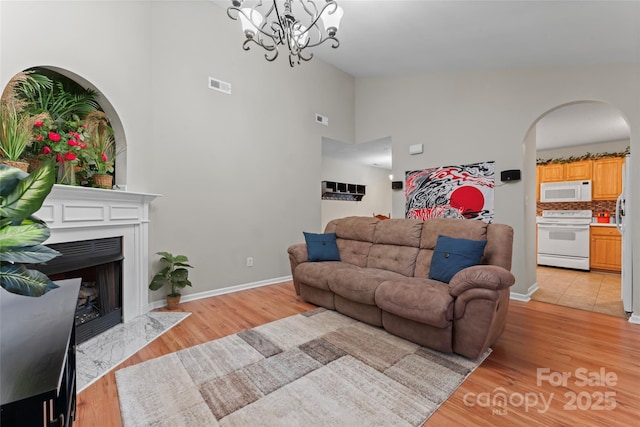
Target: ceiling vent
column 219, row 85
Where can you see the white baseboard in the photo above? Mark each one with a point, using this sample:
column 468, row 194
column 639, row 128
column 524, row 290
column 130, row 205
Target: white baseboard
column 524, row 297
column 222, row 291
column 635, row 319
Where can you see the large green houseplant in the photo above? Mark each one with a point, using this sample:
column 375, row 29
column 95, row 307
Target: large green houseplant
column 21, row 233
column 174, row 274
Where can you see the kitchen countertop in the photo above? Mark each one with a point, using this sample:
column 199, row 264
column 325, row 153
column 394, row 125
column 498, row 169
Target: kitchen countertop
column 603, row 224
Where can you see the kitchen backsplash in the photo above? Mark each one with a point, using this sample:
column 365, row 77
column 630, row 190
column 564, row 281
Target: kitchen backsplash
column 596, row 206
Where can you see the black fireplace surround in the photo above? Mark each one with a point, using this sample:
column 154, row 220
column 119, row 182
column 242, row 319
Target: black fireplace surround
column 99, row 263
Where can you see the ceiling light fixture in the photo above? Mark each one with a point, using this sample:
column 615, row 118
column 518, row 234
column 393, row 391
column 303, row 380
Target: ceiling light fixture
column 281, row 25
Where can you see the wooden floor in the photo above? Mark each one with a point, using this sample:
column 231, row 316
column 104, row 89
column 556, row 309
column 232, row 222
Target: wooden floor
column 600, row 355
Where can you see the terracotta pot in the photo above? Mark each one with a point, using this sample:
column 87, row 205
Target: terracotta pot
column 103, row 181
column 173, row 302
column 23, row 166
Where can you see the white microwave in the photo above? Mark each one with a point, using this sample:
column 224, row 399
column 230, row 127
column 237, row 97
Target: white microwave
column 565, row 191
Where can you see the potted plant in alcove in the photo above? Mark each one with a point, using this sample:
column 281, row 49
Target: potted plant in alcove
column 174, row 274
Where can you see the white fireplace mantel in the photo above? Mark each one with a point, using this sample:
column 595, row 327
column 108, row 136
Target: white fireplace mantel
column 81, row 213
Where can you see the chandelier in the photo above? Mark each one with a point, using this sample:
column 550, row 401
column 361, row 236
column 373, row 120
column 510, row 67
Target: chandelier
column 305, row 27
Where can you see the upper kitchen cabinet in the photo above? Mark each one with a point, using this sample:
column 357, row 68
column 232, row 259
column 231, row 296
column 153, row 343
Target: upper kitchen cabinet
column 576, row 171
column 552, row 172
column 607, row 178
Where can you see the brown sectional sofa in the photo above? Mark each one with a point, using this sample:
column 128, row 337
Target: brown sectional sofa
column 382, row 279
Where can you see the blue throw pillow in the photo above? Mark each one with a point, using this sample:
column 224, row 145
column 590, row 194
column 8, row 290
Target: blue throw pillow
column 321, row 247
column 452, row 255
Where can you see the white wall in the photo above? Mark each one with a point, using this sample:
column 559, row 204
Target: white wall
column 238, row 173
column 378, row 191
column 481, row 116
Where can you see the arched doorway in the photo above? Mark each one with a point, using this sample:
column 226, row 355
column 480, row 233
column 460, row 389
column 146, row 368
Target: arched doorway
column 588, row 134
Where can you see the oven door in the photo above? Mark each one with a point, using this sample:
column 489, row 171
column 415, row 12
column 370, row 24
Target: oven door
column 569, row 240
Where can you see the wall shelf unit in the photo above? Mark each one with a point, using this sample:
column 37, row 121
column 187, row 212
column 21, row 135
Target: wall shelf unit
column 341, row 191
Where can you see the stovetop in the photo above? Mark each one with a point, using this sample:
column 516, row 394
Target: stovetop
column 567, row 214
column 565, row 217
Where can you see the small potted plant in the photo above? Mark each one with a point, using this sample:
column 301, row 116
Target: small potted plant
column 174, row 274
column 102, row 149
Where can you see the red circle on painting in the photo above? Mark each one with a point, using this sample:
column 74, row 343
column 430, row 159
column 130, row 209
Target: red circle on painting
column 467, row 199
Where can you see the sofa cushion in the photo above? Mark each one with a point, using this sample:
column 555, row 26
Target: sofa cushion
column 353, row 251
column 353, row 228
column 401, row 232
column 472, row 229
column 399, row 259
column 321, row 247
column 316, row 274
column 452, row 255
column 359, row 285
column 422, row 300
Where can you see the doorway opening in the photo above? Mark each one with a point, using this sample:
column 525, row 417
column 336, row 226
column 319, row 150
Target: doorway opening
column 579, row 142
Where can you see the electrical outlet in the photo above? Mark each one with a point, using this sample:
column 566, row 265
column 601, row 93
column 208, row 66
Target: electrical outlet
column 250, row 262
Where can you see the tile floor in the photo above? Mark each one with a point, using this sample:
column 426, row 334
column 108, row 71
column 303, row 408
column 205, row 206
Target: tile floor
column 592, row 291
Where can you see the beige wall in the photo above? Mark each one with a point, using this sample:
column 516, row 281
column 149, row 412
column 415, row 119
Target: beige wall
column 238, row 173
column 486, row 116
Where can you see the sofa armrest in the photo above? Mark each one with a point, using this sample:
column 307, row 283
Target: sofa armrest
column 490, row 277
column 297, row 255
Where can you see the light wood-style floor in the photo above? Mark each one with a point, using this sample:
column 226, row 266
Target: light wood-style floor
column 592, row 291
column 600, row 355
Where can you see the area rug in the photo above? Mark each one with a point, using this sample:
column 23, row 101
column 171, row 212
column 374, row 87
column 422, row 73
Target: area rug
column 98, row 355
column 318, row 368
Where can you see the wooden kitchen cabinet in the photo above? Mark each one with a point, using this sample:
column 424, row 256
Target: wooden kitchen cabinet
column 605, row 252
column 607, row 178
column 576, row 171
column 552, row 172
column 538, row 167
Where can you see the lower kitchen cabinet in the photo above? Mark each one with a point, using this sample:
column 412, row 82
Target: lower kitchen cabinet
column 605, row 249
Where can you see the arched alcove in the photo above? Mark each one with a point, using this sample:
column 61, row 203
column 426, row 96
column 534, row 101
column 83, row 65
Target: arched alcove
column 120, row 166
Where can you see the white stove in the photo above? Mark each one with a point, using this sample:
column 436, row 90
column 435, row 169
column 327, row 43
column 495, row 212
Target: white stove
column 563, row 238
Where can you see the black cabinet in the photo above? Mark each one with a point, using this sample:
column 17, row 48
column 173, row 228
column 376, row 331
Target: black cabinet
column 342, row 191
column 37, row 357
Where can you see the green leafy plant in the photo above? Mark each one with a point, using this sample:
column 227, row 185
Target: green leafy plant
column 15, row 133
column 174, row 274
column 21, row 233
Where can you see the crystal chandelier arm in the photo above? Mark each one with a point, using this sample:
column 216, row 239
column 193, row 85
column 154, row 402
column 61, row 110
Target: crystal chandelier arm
column 282, row 27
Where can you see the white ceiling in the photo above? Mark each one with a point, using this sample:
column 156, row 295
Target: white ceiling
column 400, row 37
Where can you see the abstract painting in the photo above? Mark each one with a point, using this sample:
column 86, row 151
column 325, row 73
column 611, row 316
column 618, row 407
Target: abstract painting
column 464, row 191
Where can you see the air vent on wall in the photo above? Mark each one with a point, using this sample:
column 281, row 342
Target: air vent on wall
column 219, row 85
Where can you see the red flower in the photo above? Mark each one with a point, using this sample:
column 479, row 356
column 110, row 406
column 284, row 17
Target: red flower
column 39, row 138
column 72, row 142
column 83, row 146
column 59, row 158
column 69, row 156
column 104, row 157
column 54, row 136
column 46, row 150
column 38, row 124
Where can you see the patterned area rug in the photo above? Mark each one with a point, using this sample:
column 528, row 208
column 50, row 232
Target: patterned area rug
column 312, row 369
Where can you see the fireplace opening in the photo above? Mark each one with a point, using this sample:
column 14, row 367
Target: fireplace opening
column 99, row 264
